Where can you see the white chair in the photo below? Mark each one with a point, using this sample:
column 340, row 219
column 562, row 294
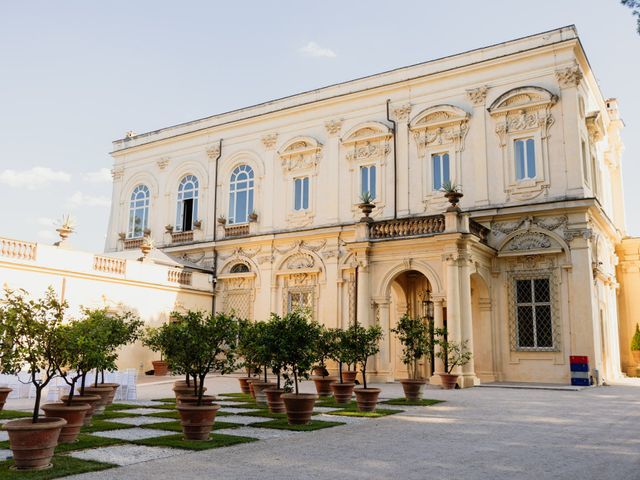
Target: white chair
column 132, row 377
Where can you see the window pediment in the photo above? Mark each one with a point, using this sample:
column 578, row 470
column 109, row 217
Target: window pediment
column 522, row 98
column 367, row 142
column 440, row 125
column 300, row 154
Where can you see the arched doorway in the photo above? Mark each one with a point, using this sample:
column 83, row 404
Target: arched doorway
column 409, row 292
column 483, row 337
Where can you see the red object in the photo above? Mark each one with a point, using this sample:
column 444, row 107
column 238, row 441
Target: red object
column 578, row 359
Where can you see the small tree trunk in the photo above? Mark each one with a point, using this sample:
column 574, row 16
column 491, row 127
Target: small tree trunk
column 201, row 389
column 102, row 376
column 340, row 370
column 265, row 374
column 295, row 378
column 95, row 383
column 36, row 405
column 71, row 392
column 195, row 384
column 188, row 380
column 364, row 373
column 278, row 381
column 84, row 379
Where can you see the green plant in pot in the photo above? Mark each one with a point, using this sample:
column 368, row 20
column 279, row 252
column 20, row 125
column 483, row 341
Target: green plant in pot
column 453, row 193
column 366, row 205
column 277, row 362
column 343, row 354
column 365, row 343
column 453, row 354
column 263, row 356
column 325, row 348
column 246, row 350
column 414, row 335
column 28, row 338
column 635, row 346
column 299, row 336
column 209, row 346
column 153, row 339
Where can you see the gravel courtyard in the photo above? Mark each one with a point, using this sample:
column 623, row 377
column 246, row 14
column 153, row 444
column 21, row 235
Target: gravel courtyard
column 478, row 433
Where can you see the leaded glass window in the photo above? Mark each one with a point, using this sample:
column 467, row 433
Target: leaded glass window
column 138, row 212
column 533, row 313
column 241, row 194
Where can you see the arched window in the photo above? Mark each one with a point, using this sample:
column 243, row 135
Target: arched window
column 241, row 194
column 187, row 204
column 138, row 212
column 239, row 268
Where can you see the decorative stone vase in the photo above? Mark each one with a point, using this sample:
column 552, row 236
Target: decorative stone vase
column 197, row 421
column 274, row 400
column 4, row 393
column 73, row 414
column 342, row 392
column 244, row 385
column 449, row 381
column 160, row 367
column 367, row 399
column 299, row 407
column 454, row 199
column 92, row 400
column 258, row 389
column 104, row 392
column 253, row 217
column 33, row 444
column 349, row 376
column 366, row 208
column 413, row 389
column 193, row 400
column 323, row 385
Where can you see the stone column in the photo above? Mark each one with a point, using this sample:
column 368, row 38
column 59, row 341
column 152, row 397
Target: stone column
column 402, row 180
column 466, row 316
column 438, row 322
column 384, row 357
column 477, row 96
column 267, row 213
column 331, row 186
column 364, row 297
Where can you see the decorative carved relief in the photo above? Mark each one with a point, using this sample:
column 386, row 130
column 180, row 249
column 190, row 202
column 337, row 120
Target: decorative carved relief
column 163, row 162
column 521, row 120
column 440, row 125
column 477, row 96
column 595, row 126
column 269, row 140
column 213, row 151
column 371, row 142
column 300, row 260
column 569, row 76
column 117, row 173
column 402, row 112
column 240, row 252
column 529, row 241
column 301, row 155
column 333, row 126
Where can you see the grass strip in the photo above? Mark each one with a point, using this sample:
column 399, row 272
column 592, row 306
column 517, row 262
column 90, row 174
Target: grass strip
column 87, row 441
column 216, row 440
column 98, row 425
column 11, row 414
column 283, row 424
column 62, row 467
column 176, row 427
column 424, row 402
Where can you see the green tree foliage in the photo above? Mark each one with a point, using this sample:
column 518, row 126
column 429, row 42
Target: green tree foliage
column 299, row 337
column 246, row 349
column 325, row 348
column 634, row 5
column 343, row 350
column 635, row 341
column 413, row 333
column 365, row 342
column 453, row 354
column 29, row 333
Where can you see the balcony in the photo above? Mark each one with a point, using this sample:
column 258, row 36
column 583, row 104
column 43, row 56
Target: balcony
column 132, row 243
column 236, row 230
column 182, row 237
column 116, row 266
column 179, row 276
column 407, row 227
column 17, row 249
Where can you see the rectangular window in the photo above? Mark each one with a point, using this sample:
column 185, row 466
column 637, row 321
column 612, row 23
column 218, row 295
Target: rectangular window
column 301, row 194
column 368, row 180
column 440, row 170
column 533, row 314
column 525, row 157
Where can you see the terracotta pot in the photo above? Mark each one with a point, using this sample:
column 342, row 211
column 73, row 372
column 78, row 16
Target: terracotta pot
column 342, row 392
column 448, row 381
column 92, row 400
column 349, row 376
column 182, row 391
column 251, row 391
column 413, row 389
column 323, row 385
column 104, row 393
column 4, row 393
column 274, row 400
column 299, row 407
column 33, row 444
column 244, row 384
column 197, row 421
column 258, row 390
column 636, row 355
column 73, row 414
column 367, row 399
column 160, row 368
column 320, row 372
column 193, row 399
column 454, row 199
column 114, row 388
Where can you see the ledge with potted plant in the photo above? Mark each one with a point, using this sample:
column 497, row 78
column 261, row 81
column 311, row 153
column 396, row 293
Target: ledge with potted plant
column 29, row 335
column 413, row 334
column 366, row 205
column 366, row 342
column 453, row 354
column 453, row 193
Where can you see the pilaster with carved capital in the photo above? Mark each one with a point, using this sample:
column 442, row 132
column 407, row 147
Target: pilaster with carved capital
column 569, row 77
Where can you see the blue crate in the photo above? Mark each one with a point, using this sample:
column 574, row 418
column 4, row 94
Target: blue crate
column 579, row 367
column 580, row 382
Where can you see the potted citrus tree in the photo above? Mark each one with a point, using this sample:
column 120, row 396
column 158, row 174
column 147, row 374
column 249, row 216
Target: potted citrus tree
column 277, row 363
column 247, row 351
column 299, row 336
column 413, row 334
column 366, row 342
column 263, row 356
column 635, row 346
column 325, row 347
column 342, row 353
column 28, row 339
column 453, row 354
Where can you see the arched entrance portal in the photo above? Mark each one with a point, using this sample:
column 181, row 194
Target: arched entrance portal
column 408, row 295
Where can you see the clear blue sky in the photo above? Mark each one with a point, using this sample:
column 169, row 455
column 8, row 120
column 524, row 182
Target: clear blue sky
column 75, row 75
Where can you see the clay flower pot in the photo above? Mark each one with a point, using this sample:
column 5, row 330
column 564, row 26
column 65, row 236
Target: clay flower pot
column 104, row 393
column 299, row 407
column 320, row 372
column 197, row 421
column 4, row 393
column 73, row 414
column 448, row 381
column 323, row 385
column 244, row 384
column 181, row 391
column 33, row 444
column 92, row 400
column 367, row 399
column 258, row 389
column 349, row 376
column 193, row 400
column 413, row 389
column 342, row 392
column 160, row 368
column 114, row 388
column 636, row 355
column 251, row 391
column 274, row 400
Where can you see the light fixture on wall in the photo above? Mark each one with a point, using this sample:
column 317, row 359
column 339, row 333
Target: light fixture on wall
column 427, row 305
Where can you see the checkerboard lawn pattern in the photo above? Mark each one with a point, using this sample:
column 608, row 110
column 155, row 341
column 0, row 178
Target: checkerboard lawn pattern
column 133, row 432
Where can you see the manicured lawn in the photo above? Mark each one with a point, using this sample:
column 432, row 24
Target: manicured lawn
column 282, row 424
column 87, row 441
column 98, row 425
column 119, row 406
column 62, row 466
column 115, row 414
column 175, row 414
column 216, row 440
column 8, row 414
column 265, row 413
column 176, row 427
column 424, row 402
column 238, row 397
column 355, row 413
column 246, row 405
column 165, row 400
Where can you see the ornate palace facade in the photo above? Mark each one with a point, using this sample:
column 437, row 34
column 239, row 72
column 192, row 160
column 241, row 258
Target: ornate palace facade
column 266, row 197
